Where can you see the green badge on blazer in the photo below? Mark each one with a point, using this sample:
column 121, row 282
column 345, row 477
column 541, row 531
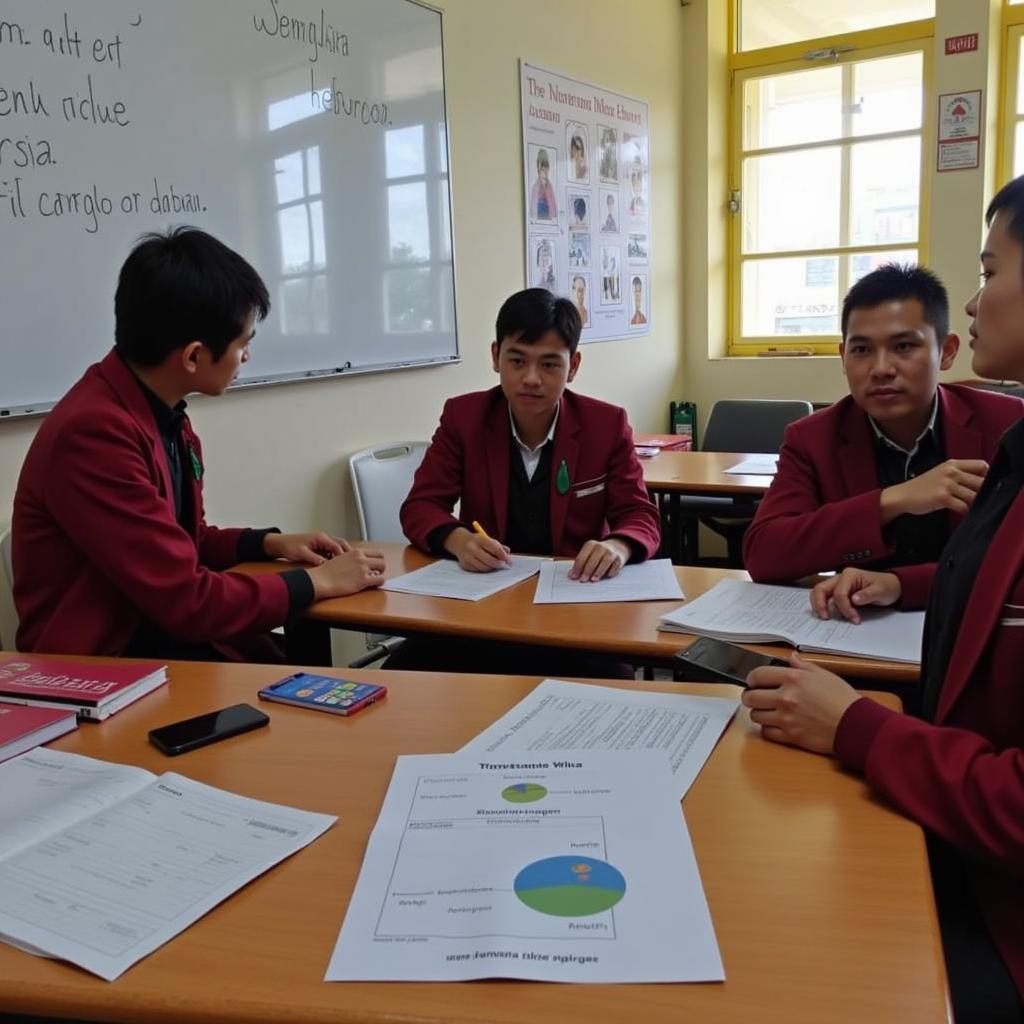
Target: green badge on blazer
column 562, row 481
column 197, row 466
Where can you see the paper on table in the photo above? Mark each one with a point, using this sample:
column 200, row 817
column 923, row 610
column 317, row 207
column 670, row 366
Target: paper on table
column 478, row 868
column 109, row 883
column 647, row 581
column 760, row 613
column 445, row 578
column 756, row 465
column 561, row 718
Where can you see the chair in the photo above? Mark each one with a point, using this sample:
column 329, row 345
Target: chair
column 381, row 478
column 8, row 613
column 738, row 425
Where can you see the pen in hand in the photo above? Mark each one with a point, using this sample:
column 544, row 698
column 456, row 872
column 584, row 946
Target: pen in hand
column 481, row 532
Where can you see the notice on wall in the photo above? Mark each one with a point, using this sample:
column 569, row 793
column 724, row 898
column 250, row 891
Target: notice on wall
column 587, row 180
column 959, row 136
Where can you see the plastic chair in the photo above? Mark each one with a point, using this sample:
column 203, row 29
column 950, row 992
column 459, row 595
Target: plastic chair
column 8, row 613
column 381, row 478
column 738, row 425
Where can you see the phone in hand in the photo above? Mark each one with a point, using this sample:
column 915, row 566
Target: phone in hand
column 191, row 733
column 708, row 660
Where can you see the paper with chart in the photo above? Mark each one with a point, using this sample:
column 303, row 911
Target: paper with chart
column 759, row 613
column 446, row 578
column 550, row 869
column 654, row 580
column 558, row 718
column 101, row 864
column 756, row 465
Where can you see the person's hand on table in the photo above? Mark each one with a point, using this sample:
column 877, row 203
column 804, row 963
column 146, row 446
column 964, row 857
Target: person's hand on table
column 801, row 705
column 852, row 589
column 348, row 573
column 310, row 548
column 598, row 559
column 476, row 552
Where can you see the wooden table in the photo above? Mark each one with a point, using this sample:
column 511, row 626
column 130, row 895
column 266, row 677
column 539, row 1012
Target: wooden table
column 819, row 893
column 627, row 629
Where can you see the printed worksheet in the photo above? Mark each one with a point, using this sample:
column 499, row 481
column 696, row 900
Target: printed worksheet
column 558, row 718
column 446, row 578
column 756, row 465
column 654, row 580
column 109, row 862
column 572, row 868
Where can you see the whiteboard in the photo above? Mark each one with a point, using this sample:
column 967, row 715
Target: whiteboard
column 309, row 137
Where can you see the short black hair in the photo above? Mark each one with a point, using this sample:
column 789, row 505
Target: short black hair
column 894, row 281
column 531, row 313
column 179, row 286
column 1010, row 198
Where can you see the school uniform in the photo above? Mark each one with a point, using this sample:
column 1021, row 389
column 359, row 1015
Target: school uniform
column 822, row 511
column 111, row 550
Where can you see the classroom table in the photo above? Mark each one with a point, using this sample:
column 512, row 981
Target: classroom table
column 819, row 893
column 627, row 629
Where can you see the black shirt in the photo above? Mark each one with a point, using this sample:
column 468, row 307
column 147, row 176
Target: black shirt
column 960, row 561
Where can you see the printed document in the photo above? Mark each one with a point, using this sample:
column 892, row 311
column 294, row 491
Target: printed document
column 543, row 868
column 558, row 718
column 102, row 863
column 760, row 613
column 446, row 578
column 654, row 580
column 756, row 465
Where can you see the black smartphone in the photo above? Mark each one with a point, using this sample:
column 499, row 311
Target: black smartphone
column 179, row 737
column 715, row 661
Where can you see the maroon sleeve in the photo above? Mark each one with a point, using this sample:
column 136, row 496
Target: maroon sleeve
column 630, row 512
column 916, row 583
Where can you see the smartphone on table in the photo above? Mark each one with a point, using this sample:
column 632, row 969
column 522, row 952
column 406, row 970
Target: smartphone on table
column 323, row 693
column 180, row 737
column 707, row 660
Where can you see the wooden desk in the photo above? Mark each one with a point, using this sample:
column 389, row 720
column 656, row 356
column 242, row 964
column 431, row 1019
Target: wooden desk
column 628, row 629
column 820, row 894
column 701, row 473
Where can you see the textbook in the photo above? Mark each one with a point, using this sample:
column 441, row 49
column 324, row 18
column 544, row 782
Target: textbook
column 22, row 728
column 102, row 863
column 757, row 613
column 95, row 690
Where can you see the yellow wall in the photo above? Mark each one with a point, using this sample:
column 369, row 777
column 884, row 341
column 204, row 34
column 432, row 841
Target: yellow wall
column 277, row 455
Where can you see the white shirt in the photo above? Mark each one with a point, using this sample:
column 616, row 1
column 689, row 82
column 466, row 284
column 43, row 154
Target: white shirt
column 531, row 456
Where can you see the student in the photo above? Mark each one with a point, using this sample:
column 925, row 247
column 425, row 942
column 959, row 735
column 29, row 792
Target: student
column 111, row 551
column 542, row 469
column 542, row 195
column 956, row 765
column 882, row 477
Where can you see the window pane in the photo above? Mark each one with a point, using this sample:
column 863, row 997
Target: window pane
column 404, row 151
column 864, row 262
column 790, row 297
column 1020, row 75
column 408, row 226
column 783, row 110
column 771, row 22
column 791, row 201
column 408, row 300
column 288, row 177
column 887, row 94
column 294, row 225
column 884, row 191
column 1018, row 149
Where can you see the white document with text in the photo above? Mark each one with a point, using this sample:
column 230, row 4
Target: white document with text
column 654, row 580
column 446, row 578
column 542, row 868
column 100, row 863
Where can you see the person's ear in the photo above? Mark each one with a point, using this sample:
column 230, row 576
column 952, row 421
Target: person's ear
column 574, row 365
column 191, row 356
column 948, row 351
column 842, row 356
column 495, row 348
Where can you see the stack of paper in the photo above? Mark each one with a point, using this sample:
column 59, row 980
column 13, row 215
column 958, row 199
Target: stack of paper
column 654, row 580
column 756, row 465
column 446, row 578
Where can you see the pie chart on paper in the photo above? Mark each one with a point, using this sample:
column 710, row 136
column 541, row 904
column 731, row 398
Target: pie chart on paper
column 570, row 886
column 524, row 793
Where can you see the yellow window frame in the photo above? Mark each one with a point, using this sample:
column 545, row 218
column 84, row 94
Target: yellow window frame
column 848, row 49
column 1009, row 118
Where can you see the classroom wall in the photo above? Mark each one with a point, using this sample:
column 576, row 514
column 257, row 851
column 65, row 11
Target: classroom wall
column 278, row 455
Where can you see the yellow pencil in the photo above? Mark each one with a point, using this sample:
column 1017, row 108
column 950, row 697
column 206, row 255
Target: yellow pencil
column 480, row 530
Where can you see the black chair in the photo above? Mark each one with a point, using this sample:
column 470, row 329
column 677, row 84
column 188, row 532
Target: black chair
column 736, row 425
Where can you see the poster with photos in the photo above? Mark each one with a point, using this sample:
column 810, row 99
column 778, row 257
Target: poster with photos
column 587, row 186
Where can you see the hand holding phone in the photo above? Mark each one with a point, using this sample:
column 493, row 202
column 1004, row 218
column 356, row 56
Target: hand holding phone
column 180, row 737
column 715, row 661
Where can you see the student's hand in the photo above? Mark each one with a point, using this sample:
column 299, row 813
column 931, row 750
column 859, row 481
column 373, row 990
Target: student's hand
column 854, row 588
column 311, row 548
column 476, row 553
column 952, row 484
column 801, row 705
column 348, row 573
column 600, row 558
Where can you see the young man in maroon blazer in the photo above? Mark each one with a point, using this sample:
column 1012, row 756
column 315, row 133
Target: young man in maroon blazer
column 882, row 477
column 955, row 764
column 110, row 546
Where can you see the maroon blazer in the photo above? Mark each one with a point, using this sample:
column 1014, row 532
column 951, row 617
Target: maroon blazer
column 96, row 547
column 963, row 777
column 468, row 461
column 822, row 510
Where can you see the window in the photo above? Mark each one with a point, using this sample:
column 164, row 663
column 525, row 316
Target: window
column 825, row 178
column 1011, row 162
